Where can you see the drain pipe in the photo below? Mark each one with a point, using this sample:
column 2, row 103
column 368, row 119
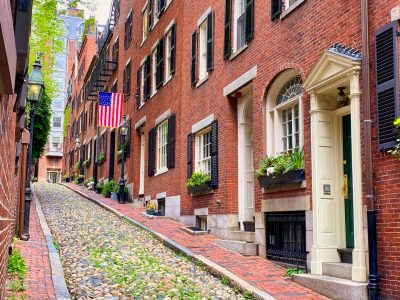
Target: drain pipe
column 373, row 277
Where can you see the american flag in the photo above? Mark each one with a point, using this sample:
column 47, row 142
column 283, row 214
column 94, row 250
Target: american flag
column 110, row 109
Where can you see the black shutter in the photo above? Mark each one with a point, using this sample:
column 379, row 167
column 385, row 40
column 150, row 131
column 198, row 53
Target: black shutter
column 171, row 142
column 151, row 159
column 173, row 49
column 138, row 88
column 150, row 14
column 227, row 29
column 160, row 64
column 189, row 155
column 161, row 7
column 125, row 35
column 249, row 19
column 210, row 41
column 214, row 155
column 193, row 76
column 128, row 138
column 276, row 8
column 387, row 90
column 147, row 78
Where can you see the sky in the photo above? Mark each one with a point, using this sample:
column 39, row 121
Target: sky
column 102, row 10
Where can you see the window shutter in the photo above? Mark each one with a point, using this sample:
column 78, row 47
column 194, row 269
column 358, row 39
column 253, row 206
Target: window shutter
column 173, row 50
column 138, row 88
column 151, row 159
column 160, row 64
column 249, row 19
column 150, row 14
column 210, row 42
column 130, row 27
column 147, row 81
column 194, row 59
column 276, row 8
column 227, row 30
column 214, row 155
column 171, row 142
column 161, row 7
column 189, row 155
column 125, row 35
column 128, row 138
column 128, row 79
column 386, row 75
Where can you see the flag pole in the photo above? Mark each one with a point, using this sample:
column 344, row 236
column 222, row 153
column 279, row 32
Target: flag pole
column 97, row 143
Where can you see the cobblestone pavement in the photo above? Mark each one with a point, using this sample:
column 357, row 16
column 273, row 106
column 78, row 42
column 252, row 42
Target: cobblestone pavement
column 105, row 257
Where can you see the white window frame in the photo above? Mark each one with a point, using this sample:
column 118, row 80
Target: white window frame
column 237, row 15
column 168, row 56
column 202, row 161
column 54, row 121
column 142, row 84
column 162, row 142
column 156, row 13
column 59, row 142
column 88, row 150
column 145, row 22
column 203, row 73
column 153, row 72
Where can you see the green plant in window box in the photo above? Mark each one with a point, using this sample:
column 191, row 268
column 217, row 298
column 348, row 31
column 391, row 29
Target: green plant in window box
column 396, row 150
column 86, row 163
column 197, row 179
column 101, row 157
column 124, row 146
column 77, row 165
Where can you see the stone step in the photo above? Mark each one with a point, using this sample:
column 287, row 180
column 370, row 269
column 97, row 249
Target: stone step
column 334, row 288
column 244, row 236
column 239, row 247
column 338, row 270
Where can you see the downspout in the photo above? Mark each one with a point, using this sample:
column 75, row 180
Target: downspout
column 373, row 277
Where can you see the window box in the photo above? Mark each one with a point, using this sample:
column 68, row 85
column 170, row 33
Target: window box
column 150, row 211
column 202, row 189
column 294, row 176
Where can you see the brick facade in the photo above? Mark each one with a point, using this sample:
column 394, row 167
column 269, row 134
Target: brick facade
column 295, row 42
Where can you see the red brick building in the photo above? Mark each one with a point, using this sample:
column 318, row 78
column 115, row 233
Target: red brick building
column 14, row 36
column 214, row 86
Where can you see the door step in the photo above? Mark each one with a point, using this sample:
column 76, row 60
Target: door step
column 334, row 288
column 244, row 236
column 239, row 247
column 338, row 270
column 346, row 255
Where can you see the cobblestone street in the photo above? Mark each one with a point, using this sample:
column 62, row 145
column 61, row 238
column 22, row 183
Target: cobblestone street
column 105, row 257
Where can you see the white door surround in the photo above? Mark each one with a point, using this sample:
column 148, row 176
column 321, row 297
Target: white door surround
column 245, row 159
column 141, row 175
column 332, row 71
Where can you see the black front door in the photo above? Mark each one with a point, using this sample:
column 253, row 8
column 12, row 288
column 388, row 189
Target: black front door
column 112, row 156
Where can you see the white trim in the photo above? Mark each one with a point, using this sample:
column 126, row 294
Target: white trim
column 237, row 52
column 203, row 123
column 168, row 28
column 115, row 81
column 127, row 16
column 116, row 40
column 240, row 81
column 161, row 195
column 140, row 122
column 128, row 61
column 104, row 130
column 143, row 61
column 289, row 9
column 145, row 6
column 204, row 79
column 165, row 115
column 154, row 45
column 203, row 17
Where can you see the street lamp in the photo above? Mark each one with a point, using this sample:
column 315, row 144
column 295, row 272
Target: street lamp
column 123, row 130
column 79, row 153
column 35, row 93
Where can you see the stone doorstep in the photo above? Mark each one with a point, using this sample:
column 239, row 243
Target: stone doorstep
column 192, row 232
column 152, row 216
column 338, row 270
column 239, row 247
column 334, row 288
column 244, row 236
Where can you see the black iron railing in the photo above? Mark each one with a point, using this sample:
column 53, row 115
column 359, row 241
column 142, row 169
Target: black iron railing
column 286, row 237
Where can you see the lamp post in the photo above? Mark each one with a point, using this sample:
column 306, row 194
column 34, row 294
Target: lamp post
column 77, row 144
column 35, row 93
column 123, row 130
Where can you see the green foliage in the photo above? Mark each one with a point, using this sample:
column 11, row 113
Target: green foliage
column 225, row 280
column 67, row 116
column 274, row 166
column 198, row 178
column 86, row 162
column 248, row 295
column 100, row 157
column 16, row 268
column 88, row 27
column 124, row 146
column 41, row 126
column 291, row 271
column 110, row 186
column 77, row 165
column 396, row 150
column 56, row 245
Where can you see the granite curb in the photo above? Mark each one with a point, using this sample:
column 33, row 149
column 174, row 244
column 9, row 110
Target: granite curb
column 57, row 272
column 212, row 267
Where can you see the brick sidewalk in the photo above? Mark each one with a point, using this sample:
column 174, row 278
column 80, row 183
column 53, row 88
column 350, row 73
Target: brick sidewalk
column 38, row 281
column 257, row 271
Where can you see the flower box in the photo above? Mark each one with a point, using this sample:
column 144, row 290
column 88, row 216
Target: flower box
column 295, row 176
column 202, row 189
column 150, row 211
column 81, row 180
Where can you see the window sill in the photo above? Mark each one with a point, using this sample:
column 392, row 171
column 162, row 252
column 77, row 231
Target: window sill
column 285, row 187
column 167, row 80
column 202, row 81
column 238, row 51
column 161, row 171
column 153, row 94
column 141, row 44
column 291, row 8
column 155, row 23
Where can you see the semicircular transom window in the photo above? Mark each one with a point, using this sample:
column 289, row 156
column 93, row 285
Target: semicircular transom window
column 291, row 89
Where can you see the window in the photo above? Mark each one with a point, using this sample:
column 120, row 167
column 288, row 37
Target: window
column 168, row 55
column 154, row 71
column 57, row 122
column 156, row 11
column 142, row 81
column 145, row 22
column 203, row 51
column 115, row 50
column 285, row 114
column 56, row 142
column 88, row 150
column 114, row 88
column 203, row 152
column 103, row 145
column 162, row 140
column 240, row 18
column 58, row 104
column 127, row 80
column 91, row 114
column 128, row 31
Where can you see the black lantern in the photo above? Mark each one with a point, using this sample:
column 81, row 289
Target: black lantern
column 123, row 130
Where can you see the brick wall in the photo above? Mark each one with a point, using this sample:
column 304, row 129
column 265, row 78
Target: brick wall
column 8, row 183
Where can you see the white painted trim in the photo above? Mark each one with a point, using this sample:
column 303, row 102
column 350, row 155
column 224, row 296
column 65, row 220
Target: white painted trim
column 127, row 16
column 203, row 123
column 145, row 6
column 155, row 45
column 104, row 130
column 203, row 17
column 115, row 81
column 289, row 9
column 128, row 61
column 168, row 28
column 140, row 122
column 161, row 195
column 163, row 117
column 240, row 81
column 201, row 211
column 203, row 80
column 116, row 38
column 143, row 60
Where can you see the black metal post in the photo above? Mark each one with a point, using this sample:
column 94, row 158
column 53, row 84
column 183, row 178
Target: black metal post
column 373, row 277
column 25, row 233
column 122, row 179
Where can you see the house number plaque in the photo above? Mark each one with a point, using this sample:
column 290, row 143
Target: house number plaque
column 327, row 189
